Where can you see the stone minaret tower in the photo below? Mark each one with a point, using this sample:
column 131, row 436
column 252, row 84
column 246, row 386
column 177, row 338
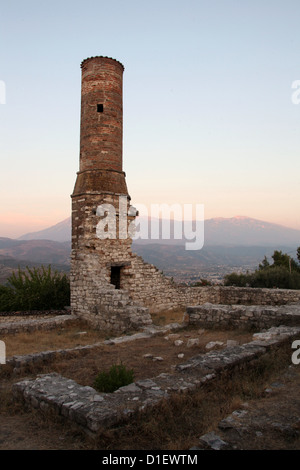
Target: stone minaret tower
column 111, row 286
column 100, row 262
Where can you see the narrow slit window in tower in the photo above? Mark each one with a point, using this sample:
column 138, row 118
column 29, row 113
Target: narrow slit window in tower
column 115, row 276
column 99, row 108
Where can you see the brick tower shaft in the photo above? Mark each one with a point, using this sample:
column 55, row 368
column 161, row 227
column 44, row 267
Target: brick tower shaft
column 101, row 128
column 101, row 131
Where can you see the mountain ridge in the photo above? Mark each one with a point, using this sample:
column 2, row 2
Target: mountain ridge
column 60, row 232
column 231, row 244
column 238, row 230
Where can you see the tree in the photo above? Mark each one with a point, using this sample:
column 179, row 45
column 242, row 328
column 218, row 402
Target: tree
column 264, row 264
column 283, row 259
column 284, row 273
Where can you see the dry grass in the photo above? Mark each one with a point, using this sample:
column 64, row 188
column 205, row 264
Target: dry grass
column 59, row 338
column 71, row 336
column 168, row 316
column 175, row 424
column 83, row 366
column 80, row 334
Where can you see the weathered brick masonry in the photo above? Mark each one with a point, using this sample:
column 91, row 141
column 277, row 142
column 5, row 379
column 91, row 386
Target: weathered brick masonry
column 110, row 285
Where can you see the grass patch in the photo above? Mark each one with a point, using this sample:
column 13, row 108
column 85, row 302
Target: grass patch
column 117, row 376
column 178, row 423
column 168, row 316
column 60, row 337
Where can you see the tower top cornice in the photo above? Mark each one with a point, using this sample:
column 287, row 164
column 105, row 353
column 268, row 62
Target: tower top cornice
column 101, row 57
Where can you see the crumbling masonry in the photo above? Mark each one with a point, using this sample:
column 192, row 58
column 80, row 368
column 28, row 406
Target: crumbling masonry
column 110, row 286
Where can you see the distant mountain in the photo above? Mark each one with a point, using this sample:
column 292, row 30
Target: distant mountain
column 242, row 230
column 234, row 231
column 60, row 232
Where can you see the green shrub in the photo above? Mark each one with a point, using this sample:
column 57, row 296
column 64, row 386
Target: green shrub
column 284, row 273
column 238, row 280
column 117, row 376
column 35, row 289
column 269, row 277
column 202, row 283
column 6, row 298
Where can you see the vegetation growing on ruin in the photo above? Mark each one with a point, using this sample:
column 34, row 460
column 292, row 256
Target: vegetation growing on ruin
column 117, row 376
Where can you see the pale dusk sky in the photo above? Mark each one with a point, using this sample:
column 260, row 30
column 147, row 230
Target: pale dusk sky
column 210, row 113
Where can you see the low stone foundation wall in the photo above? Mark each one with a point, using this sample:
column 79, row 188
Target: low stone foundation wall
column 241, row 316
column 172, row 296
column 35, row 313
column 34, row 324
column 257, row 296
column 236, row 295
column 93, row 411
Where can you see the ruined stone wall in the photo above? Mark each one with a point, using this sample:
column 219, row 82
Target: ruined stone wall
column 243, row 316
column 146, row 286
column 96, row 300
column 156, row 291
column 238, row 295
column 257, row 296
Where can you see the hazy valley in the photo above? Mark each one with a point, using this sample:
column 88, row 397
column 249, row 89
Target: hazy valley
column 234, row 244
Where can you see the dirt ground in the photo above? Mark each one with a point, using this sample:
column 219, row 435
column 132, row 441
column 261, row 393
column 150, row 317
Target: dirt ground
column 279, row 403
column 271, row 422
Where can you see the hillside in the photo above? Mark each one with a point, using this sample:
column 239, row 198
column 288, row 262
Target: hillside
column 17, row 253
column 212, row 262
column 36, row 251
column 234, row 244
column 60, row 232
